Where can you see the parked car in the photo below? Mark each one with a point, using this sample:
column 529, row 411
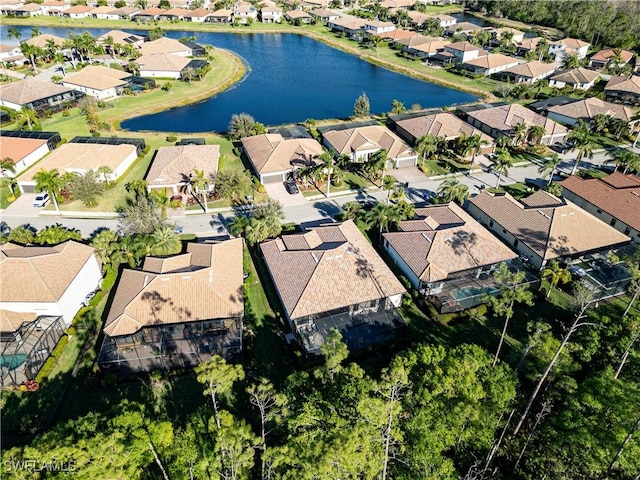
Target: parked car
column 41, row 200
column 291, row 187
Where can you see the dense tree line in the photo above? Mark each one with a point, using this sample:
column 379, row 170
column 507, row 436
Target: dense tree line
column 601, row 22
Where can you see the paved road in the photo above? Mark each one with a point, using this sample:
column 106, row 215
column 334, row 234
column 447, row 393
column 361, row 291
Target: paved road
column 307, row 213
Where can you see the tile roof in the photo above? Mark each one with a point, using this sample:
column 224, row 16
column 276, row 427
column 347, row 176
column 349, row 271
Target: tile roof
column 173, row 165
column 428, row 45
column 30, row 90
column 81, row 157
column 97, row 77
column 609, row 53
column 163, row 62
column 444, row 239
column 571, row 43
column 17, row 148
column 298, row 14
column 550, row 227
column 175, row 12
column 590, row 107
column 617, row 194
column 203, row 284
column 121, row 37
column 417, row 40
column 492, row 60
column 163, row 45
column 462, row 47
column 11, row 321
column 349, row 22
column 398, row 33
column 624, row 84
column 529, row 43
column 197, row 13
column 503, row 118
column 366, row 138
column 533, row 69
column 102, row 10
column 78, row 9
column 42, row 39
column 464, row 27
column 271, row 153
column 575, row 76
column 445, row 125
column 40, row 274
column 327, row 268
column 150, row 12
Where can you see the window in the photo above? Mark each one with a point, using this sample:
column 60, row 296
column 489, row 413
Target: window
column 613, row 222
column 627, row 231
column 599, row 211
column 504, row 231
column 515, row 243
column 491, row 223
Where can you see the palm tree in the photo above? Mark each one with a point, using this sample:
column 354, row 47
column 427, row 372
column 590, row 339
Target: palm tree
column 383, row 216
column 582, row 142
column 451, row 190
column 105, row 171
column 378, row 163
column 556, row 274
column 376, row 40
column 570, row 62
column 535, row 134
column 473, row 145
column 501, row 164
column 7, row 165
column 198, row 184
column 625, row 159
column 238, row 225
column 14, row 33
column 397, row 106
column 31, row 52
column 161, row 198
column 519, row 132
column 27, row 116
column 551, row 165
column 137, row 187
column 328, row 167
column 105, row 243
column 599, row 123
column 402, row 17
column 35, row 31
column 49, row 181
column 166, row 241
column 426, row 147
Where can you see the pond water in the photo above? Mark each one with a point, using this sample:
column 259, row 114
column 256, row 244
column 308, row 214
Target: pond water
column 289, row 78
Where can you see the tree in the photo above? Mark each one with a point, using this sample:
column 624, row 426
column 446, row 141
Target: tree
column 165, row 241
column 451, row 190
column 233, row 184
column 7, row 165
column 473, row 145
column 571, row 61
column 137, row 187
column 55, row 234
column 155, row 33
column 105, row 242
column 397, row 106
column 49, row 181
column 626, row 159
column 402, row 17
column 35, row 31
column 555, row 274
column 351, row 210
column 582, row 143
column 362, row 106
column 140, row 215
column 551, row 165
column 383, row 216
column 24, row 235
column 513, row 289
column 218, row 377
column 13, row 32
column 87, row 188
column 31, row 52
column 241, row 125
column 377, row 164
column 519, row 133
column 501, row 164
column 28, row 117
column 426, row 147
column 238, row 225
column 264, row 222
column 599, row 123
column 199, row 184
column 535, row 134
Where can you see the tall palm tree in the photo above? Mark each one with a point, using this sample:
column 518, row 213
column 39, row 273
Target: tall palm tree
column 14, row 33
column 599, row 123
column 200, row 185
column 556, row 274
column 625, row 159
column 49, row 181
column 28, row 117
column 501, row 164
column 104, row 171
column 328, row 166
column 31, row 52
column 519, row 132
column 105, row 243
column 535, row 134
column 426, row 147
column 451, row 190
column 162, row 199
column 582, row 142
column 35, row 31
column 383, row 216
column 378, row 163
column 473, row 145
column 551, row 165
column 571, row 61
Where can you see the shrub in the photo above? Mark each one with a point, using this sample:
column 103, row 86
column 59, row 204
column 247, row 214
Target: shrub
column 95, row 134
column 71, row 331
column 46, row 369
column 66, row 113
column 102, row 104
column 172, row 139
column 62, row 344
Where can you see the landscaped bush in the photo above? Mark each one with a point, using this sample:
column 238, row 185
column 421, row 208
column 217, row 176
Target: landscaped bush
column 172, row 139
column 71, row 331
column 46, row 369
column 62, row 344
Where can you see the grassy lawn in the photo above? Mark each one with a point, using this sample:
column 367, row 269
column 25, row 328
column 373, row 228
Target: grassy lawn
column 517, row 190
column 7, row 196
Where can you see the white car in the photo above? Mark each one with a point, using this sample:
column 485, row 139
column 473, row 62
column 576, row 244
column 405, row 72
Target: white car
column 41, row 200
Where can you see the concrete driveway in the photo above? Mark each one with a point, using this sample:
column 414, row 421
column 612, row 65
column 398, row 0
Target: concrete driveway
column 22, row 208
column 277, row 192
column 410, row 175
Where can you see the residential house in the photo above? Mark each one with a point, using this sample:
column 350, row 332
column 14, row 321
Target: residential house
column 614, row 199
column 490, row 64
column 579, row 78
column 467, row 29
column 198, row 15
column 178, row 311
column 332, row 278
column 602, row 59
column 440, row 125
column 396, row 4
column 102, row 12
column 172, row 167
column 27, row 10
column 419, row 46
column 24, row 152
column 623, row 90
column 529, row 72
column 37, row 95
column 124, row 13
column 43, row 40
column 222, row 15
column 10, row 53
column 173, row 14
column 78, row 11
column 464, row 51
column 54, row 7
column 47, row 280
column 166, row 65
column 80, row 158
column 148, row 14
column 324, row 15
column 270, row 14
column 497, row 34
column 360, row 143
column 378, row 27
column 445, row 21
column 418, row 18
column 499, row 122
column 397, row 34
column 588, row 108
column 298, row 17
column 244, row 12
column 275, row 159
column 119, row 39
column 349, row 25
column 527, row 45
column 568, row 46
column 542, row 227
column 447, row 256
column 166, row 46
column 98, row 81
column 7, row 7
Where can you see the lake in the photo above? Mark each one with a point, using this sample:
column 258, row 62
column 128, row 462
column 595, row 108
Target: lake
column 289, row 78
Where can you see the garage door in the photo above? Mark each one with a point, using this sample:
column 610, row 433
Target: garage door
column 27, row 188
column 405, row 162
column 273, row 178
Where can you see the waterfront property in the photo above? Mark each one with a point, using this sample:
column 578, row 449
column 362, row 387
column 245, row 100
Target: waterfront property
column 98, row 81
column 585, row 110
column 331, row 277
column 177, row 311
column 490, row 64
column 447, row 256
column 38, row 96
column 529, row 72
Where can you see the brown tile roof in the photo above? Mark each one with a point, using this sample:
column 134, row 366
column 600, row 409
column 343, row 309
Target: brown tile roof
column 188, row 290
column 462, row 47
column 369, row 137
column 492, row 60
column 575, row 76
column 327, row 268
column 30, row 90
column 464, row 27
column 17, row 148
column 11, row 321
column 609, row 53
column 78, row 9
column 445, row 125
column 271, row 153
column 503, row 118
column 173, row 165
column 102, row 10
column 529, row 43
column 624, row 84
column 150, row 12
column 550, row 231
column 398, row 3
column 222, row 12
column 533, row 69
column 444, row 239
column 590, row 107
column 40, row 274
column 163, row 62
column 97, row 77
column 297, row 14
column 41, row 40
column 398, row 33
column 197, row 13
column 176, row 12
column 29, row 7
column 349, row 22
column 618, row 195
column 74, row 157
column 428, row 45
column 163, row 45
column 571, row 43
column 420, row 39
column 120, row 37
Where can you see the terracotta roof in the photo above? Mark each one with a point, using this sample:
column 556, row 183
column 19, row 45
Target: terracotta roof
column 349, row 22
column 398, row 33
column 11, row 321
column 366, row 138
column 492, row 60
column 590, row 107
column 445, row 125
column 74, row 157
column 17, row 148
column 609, row 53
column 30, row 90
column 41, row 40
column 428, row 45
column 533, row 69
column 102, row 10
column 40, row 274
column 444, row 239
column 173, row 165
column 203, row 284
column 327, row 268
column 418, row 18
column 223, row 12
column 175, row 12
column 150, row 12
column 120, row 37
column 379, row 23
column 575, row 76
column 125, row 11
column 462, row 47
column 624, row 84
column 163, row 45
column 464, row 27
column 571, row 43
column 297, row 14
column 549, row 226
column 29, row 7
column 163, row 62
column 97, row 77
column 197, row 13
column 271, row 153
column 529, row 43
column 78, row 9
column 503, row 118
column 617, row 194
column 398, row 3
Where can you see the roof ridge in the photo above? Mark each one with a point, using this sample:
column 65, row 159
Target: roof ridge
column 313, row 253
